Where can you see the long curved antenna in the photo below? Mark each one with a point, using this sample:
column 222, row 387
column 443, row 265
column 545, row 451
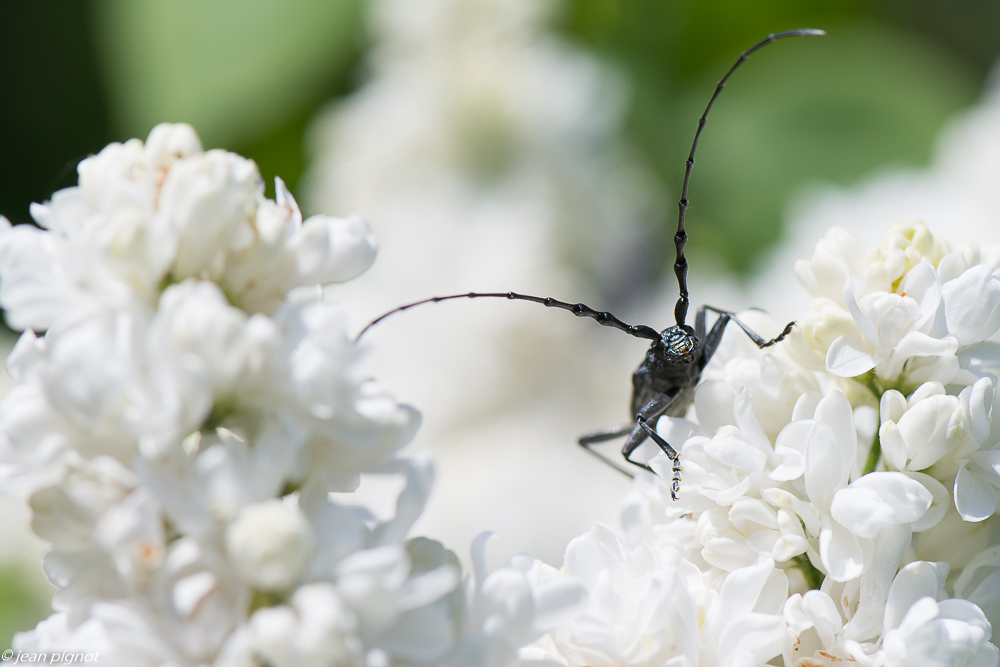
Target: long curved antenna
column 580, row 310
column 680, row 238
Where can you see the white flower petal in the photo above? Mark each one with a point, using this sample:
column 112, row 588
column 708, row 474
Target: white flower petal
column 332, row 249
column 918, row 344
column 783, row 500
column 978, row 403
column 972, row 304
column 840, row 551
column 922, row 283
column 848, row 357
column 913, row 582
column 979, row 582
column 206, row 201
column 880, row 500
column 987, row 463
column 736, row 453
column 852, row 289
column 828, row 465
column 813, row 609
column 891, row 406
column 931, row 429
column 975, row 499
column 893, row 445
column 787, row 447
column 557, row 602
column 728, row 552
column 714, row 403
column 861, row 511
column 939, row 506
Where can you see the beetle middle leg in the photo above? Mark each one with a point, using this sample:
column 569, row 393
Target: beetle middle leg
column 603, row 435
column 638, row 432
column 714, row 337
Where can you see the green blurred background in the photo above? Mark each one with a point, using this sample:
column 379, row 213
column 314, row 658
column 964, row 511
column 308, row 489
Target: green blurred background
column 250, row 74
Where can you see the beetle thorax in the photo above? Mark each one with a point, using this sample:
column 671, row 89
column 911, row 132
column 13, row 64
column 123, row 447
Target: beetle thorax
column 678, row 345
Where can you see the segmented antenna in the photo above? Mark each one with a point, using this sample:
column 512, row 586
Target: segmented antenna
column 680, row 238
column 580, row 310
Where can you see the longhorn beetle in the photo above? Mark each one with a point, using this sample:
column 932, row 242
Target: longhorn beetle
column 664, row 383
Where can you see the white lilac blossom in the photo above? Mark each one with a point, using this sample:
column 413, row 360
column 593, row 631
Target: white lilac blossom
column 186, row 402
column 146, row 215
column 510, row 607
column 921, row 626
column 180, row 425
column 818, row 478
column 937, row 313
column 649, row 606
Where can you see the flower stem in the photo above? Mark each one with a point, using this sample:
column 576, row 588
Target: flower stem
column 813, row 577
column 874, row 455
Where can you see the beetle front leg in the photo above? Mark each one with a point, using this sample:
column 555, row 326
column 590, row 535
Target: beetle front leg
column 653, row 408
column 672, row 454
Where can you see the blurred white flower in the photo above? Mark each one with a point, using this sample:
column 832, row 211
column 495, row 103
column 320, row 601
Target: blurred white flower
column 316, row 628
column 485, row 151
column 269, row 543
column 178, row 432
column 649, row 606
column 978, row 582
column 510, row 607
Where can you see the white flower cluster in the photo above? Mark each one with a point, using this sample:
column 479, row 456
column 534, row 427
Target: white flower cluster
column 179, row 427
column 839, row 496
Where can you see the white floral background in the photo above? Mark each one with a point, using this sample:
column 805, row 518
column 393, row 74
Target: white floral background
column 177, row 425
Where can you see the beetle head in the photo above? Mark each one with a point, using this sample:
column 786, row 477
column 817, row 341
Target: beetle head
column 678, row 345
